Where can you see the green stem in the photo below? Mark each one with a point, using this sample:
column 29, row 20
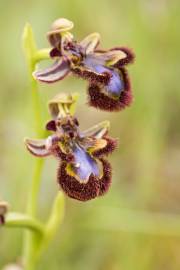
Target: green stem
column 36, row 181
column 33, row 245
column 32, row 56
column 19, row 220
column 55, row 220
column 36, row 106
column 31, row 241
column 42, row 54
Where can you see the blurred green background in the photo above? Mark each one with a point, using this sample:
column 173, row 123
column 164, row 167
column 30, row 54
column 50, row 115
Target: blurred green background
column 137, row 224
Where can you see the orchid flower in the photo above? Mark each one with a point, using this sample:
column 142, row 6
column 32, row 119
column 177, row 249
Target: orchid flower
column 109, row 86
column 83, row 171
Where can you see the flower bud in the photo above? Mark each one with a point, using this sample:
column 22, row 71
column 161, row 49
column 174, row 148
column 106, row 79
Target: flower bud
column 12, row 267
column 3, row 211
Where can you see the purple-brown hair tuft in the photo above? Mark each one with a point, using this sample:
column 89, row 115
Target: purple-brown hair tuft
column 105, row 181
column 76, row 190
column 108, row 149
column 92, row 76
column 127, row 60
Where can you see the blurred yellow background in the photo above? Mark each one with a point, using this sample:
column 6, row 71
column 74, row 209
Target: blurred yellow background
column 137, row 224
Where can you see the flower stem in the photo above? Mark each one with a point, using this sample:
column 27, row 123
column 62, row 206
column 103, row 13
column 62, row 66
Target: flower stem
column 19, row 220
column 33, row 244
column 36, row 107
column 31, row 241
column 55, row 220
column 42, row 54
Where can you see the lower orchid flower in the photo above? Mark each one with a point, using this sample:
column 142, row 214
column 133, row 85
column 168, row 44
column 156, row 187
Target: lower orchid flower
column 83, row 172
column 109, row 86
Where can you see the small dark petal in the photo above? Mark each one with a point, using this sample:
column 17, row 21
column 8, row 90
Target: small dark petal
column 129, row 58
column 106, row 180
column 55, row 53
column 108, row 149
column 100, row 100
column 71, row 134
column 76, row 122
column 92, row 76
column 84, row 192
column 51, row 125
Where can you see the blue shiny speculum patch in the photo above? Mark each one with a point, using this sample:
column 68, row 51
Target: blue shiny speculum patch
column 116, row 83
column 85, row 164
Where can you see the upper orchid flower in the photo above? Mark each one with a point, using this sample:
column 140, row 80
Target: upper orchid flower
column 109, row 86
column 83, row 172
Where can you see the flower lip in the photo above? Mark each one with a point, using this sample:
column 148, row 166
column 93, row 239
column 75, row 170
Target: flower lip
column 84, row 192
column 98, row 98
